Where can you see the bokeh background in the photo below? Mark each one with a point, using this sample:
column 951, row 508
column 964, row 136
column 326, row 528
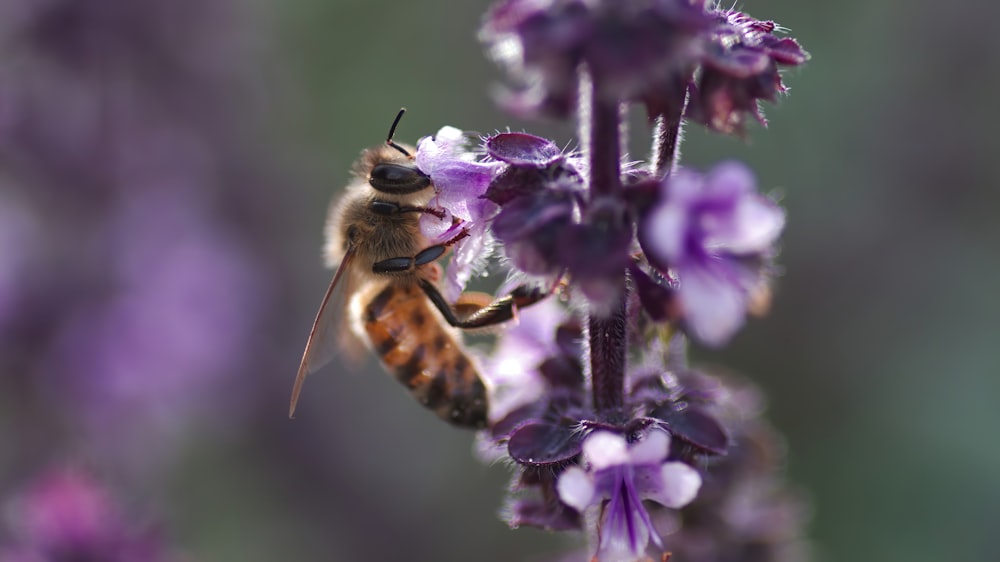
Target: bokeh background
column 165, row 169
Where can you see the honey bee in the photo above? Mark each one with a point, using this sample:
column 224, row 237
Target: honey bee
column 386, row 277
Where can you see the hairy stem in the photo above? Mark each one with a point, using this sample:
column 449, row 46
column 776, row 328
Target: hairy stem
column 607, row 358
column 605, row 151
column 667, row 136
column 607, row 332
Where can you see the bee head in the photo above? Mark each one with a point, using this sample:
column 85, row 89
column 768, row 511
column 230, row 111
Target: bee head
column 398, row 178
column 390, row 175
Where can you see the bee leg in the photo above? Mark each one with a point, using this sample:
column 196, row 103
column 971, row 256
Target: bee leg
column 500, row 310
column 402, row 265
column 470, row 302
column 423, row 257
column 388, row 208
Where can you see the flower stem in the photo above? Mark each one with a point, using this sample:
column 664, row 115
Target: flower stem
column 605, row 151
column 607, row 358
column 607, row 333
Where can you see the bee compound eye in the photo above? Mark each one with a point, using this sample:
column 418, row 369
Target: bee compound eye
column 398, row 178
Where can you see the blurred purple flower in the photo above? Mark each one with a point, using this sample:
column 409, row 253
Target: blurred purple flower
column 745, row 511
column 66, row 515
column 513, row 367
column 160, row 348
column 716, row 233
column 131, row 148
column 625, row 475
column 19, row 233
column 632, row 48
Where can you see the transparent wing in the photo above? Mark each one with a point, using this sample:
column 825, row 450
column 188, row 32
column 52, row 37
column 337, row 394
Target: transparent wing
column 324, row 336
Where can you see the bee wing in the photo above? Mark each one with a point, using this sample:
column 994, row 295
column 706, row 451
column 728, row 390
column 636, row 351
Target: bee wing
column 323, row 338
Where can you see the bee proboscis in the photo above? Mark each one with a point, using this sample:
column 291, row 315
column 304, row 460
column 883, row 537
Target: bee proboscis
column 387, row 274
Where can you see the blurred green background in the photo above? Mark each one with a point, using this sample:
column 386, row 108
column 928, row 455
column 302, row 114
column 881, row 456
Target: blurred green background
column 880, row 358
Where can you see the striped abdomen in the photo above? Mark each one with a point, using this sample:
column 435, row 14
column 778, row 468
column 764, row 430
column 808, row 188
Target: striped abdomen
column 421, row 353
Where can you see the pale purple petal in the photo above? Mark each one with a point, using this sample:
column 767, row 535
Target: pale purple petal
column 470, row 255
column 603, row 449
column 679, row 485
column 526, row 342
column 728, row 181
column 460, row 184
column 714, row 305
column 652, row 449
column 439, row 149
column 754, row 226
column 576, row 488
column 664, row 232
column 438, row 229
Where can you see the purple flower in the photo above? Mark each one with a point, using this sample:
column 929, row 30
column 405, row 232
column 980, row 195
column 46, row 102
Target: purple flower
column 740, row 66
column 548, row 226
column 514, row 366
column 625, row 475
column 632, row 48
column 715, row 232
column 65, row 515
column 460, row 179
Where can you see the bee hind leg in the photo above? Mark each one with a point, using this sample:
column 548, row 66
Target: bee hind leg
column 483, row 315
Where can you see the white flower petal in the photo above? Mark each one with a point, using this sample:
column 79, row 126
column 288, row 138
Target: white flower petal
column 652, row 449
column 575, row 488
column 603, row 449
column 449, row 138
column 679, row 486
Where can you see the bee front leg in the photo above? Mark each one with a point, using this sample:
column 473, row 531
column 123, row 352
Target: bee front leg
column 424, row 257
column 387, row 208
column 402, row 265
column 497, row 312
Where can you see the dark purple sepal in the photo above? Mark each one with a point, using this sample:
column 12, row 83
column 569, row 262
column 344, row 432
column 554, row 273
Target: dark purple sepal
column 543, row 515
column 694, row 386
column 785, row 51
column 515, row 182
column 503, row 428
column 658, row 298
column 693, row 426
column 722, row 102
column 642, row 193
column 666, row 96
column 648, row 388
column 740, row 67
column 542, row 443
column 522, row 149
column 519, row 181
column 562, row 372
column 569, row 338
column 531, row 230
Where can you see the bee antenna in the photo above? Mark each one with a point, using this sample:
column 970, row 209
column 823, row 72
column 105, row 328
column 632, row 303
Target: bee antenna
column 392, row 132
